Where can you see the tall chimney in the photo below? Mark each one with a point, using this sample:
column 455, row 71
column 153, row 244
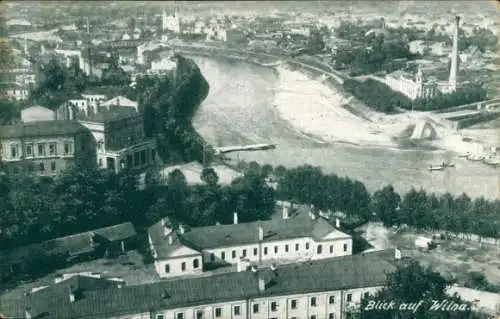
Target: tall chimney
column 71, row 292
column 262, row 284
column 452, row 82
column 261, row 233
column 337, row 223
column 285, row 212
column 235, row 218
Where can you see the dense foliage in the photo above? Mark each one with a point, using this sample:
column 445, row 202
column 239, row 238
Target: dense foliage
column 168, row 104
column 410, row 284
column 382, row 98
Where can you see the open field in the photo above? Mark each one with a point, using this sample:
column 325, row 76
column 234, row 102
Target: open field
column 454, row 258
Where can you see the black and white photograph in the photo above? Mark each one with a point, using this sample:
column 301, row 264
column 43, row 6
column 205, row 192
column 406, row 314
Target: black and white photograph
column 250, row 159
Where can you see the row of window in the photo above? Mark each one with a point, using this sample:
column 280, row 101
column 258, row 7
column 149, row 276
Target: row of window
column 218, row 312
column 319, row 251
column 41, row 149
column 41, row 168
column 138, row 159
column 196, row 265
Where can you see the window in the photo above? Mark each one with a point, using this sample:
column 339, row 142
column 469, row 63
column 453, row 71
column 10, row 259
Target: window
column 53, row 166
column 331, row 316
column 153, row 155
column 331, row 300
column 183, row 266
column 13, row 150
column 313, row 301
column 319, row 249
column 255, row 251
column 255, row 308
column 143, row 157
column 199, row 314
column 296, row 247
column 52, row 149
column 218, row 312
column 307, row 245
column 237, row 310
column 345, row 247
column 275, row 249
column 136, row 158
column 167, row 268
column 180, row 315
column 313, row 316
column 286, row 248
column 223, row 255
column 274, row 306
column 41, row 149
column 293, row 304
column 130, row 161
column 160, row 317
column 29, row 150
column 233, row 254
column 196, row 263
column 42, row 167
column 67, row 148
column 349, row 297
column 244, row 253
column 100, row 162
column 331, row 249
column 265, row 250
column 212, row 257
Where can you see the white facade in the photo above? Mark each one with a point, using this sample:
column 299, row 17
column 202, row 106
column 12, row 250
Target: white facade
column 94, row 100
column 81, row 104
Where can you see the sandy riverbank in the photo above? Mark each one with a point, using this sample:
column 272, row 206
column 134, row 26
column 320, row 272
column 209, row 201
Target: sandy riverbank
column 316, row 109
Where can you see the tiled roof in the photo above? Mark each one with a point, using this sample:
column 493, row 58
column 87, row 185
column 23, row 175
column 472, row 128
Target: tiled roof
column 298, row 225
column 72, row 245
column 44, row 128
column 114, row 114
column 160, row 242
column 358, row 271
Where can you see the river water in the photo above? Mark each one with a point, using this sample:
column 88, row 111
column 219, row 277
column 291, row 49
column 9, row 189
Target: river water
column 240, row 109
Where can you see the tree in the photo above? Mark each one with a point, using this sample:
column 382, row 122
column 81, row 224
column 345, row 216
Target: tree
column 385, row 205
column 411, row 283
column 209, row 176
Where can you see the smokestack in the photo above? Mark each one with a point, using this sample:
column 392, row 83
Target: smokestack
column 337, row 223
column 71, row 293
column 235, row 218
column 261, row 233
column 285, row 212
column 452, row 82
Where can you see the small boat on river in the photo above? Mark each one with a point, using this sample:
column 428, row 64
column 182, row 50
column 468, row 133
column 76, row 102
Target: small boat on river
column 475, row 157
column 448, row 164
column 436, row 168
column 492, row 161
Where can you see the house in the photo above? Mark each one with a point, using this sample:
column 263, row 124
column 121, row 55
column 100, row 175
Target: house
column 292, row 235
column 323, row 289
column 37, row 114
column 46, row 147
column 120, row 139
column 63, row 251
column 120, row 101
column 15, row 91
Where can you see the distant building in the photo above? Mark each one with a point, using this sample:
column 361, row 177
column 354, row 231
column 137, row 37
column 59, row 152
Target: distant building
column 63, row 251
column 171, row 23
column 296, row 234
column 323, row 289
column 121, row 102
column 46, row 148
column 412, row 86
column 37, row 114
column 120, row 139
column 15, row 91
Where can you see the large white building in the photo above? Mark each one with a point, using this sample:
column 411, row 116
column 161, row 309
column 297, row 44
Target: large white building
column 295, row 234
column 322, row 289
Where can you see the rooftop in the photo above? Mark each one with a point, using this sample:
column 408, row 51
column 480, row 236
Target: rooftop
column 113, row 114
column 120, row 101
column 72, row 245
column 357, row 271
column 43, row 128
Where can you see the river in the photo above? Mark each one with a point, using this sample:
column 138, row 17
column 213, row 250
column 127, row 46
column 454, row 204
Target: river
column 240, row 109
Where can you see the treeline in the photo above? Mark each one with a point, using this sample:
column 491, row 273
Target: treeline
column 168, row 104
column 377, row 95
column 382, row 98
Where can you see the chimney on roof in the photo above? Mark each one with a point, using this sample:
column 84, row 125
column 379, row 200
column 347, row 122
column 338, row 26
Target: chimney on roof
column 27, row 313
column 311, row 214
column 285, row 213
column 71, row 292
column 261, row 233
column 92, row 239
column 273, row 267
column 235, row 218
column 181, row 229
column 170, row 240
column 262, row 284
column 337, row 223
